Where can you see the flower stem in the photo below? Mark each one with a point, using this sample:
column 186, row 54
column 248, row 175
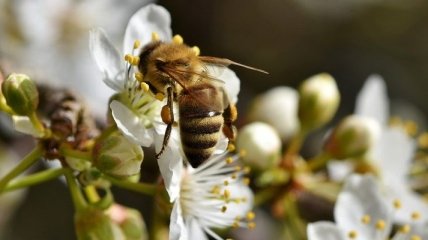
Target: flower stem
column 264, row 195
column 25, row 163
column 66, row 151
column 38, row 124
column 318, row 161
column 293, row 149
column 34, row 179
column 144, row 188
column 77, row 196
column 92, row 194
column 4, row 107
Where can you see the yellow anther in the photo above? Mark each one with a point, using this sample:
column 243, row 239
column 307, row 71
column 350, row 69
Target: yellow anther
column 366, row 219
column 177, row 39
column 251, row 225
column 395, row 121
column 224, row 209
column 144, row 86
column 226, row 194
column 215, row 190
column 226, row 183
column 137, row 44
column 423, row 140
column 231, row 147
column 244, row 199
column 397, row 204
column 247, row 169
column 155, row 36
column 352, row 234
column 160, row 96
column 415, row 237
column 229, row 160
column 234, row 176
column 380, row 225
column 196, row 50
column 139, row 76
column 246, row 181
column 250, row 215
column 242, row 153
column 235, row 225
column 416, row 215
column 135, row 60
column 128, row 57
column 404, row 229
column 238, row 168
column 411, row 128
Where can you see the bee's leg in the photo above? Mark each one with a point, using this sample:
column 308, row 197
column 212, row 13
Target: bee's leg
column 167, row 115
column 230, row 114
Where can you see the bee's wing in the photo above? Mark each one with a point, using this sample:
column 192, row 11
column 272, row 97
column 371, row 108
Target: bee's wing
column 178, row 75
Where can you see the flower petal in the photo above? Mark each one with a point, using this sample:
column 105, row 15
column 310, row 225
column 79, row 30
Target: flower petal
column 360, row 197
column 411, row 202
column 177, row 227
column 149, row 19
column 393, row 154
column 324, row 231
column 339, row 170
column 372, row 101
column 107, row 58
column 231, row 81
column 23, row 124
column 131, row 125
column 170, row 161
column 195, row 230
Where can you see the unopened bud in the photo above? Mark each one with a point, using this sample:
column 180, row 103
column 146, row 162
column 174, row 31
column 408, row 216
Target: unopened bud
column 130, row 222
column 278, row 108
column 319, row 100
column 117, row 156
column 92, row 224
column 352, row 138
column 21, row 94
column 261, row 144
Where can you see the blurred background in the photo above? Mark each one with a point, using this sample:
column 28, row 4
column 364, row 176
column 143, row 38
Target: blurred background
column 292, row 40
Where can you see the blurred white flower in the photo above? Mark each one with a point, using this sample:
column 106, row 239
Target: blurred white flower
column 48, row 40
column 392, row 153
column 277, row 107
column 261, row 144
column 362, row 213
column 214, row 195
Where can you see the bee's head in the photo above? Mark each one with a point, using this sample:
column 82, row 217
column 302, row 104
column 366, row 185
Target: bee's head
column 145, row 55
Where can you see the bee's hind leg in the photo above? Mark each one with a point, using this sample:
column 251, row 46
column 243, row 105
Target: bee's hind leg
column 230, row 114
column 167, row 115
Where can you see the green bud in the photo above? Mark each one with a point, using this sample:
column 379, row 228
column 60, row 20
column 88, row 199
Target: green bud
column 93, row 224
column 21, row 94
column 115, row 155
column 130, row 222
column 318, row 102
column 352, row 138
column 261, row 144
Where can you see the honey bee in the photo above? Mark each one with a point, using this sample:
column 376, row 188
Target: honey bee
column 178, row 72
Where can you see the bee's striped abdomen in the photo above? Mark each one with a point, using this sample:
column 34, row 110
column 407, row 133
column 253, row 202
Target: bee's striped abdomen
column 200, row 110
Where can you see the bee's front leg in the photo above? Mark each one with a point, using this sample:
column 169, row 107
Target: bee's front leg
column 167, row 114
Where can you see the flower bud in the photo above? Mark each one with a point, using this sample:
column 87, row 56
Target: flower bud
column 278, row 108
column 130, row 222
column 21, row 94
column 261, row 144
column 92, row 224
column 319, row 100
column 352, row 138
column 115, row 155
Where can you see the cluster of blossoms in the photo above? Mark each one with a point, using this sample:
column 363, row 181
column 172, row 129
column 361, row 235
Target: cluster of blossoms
column 374, row 159
column 214, row 195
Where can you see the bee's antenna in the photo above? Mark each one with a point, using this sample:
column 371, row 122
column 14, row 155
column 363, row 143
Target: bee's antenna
column 226, row 62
